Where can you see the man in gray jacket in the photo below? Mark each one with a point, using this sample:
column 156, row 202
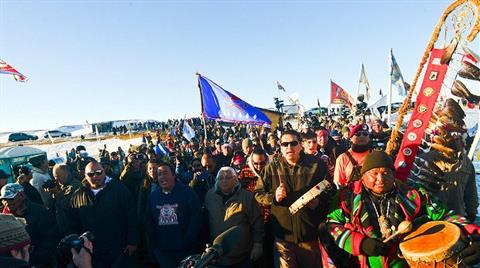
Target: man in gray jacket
column 40, row 176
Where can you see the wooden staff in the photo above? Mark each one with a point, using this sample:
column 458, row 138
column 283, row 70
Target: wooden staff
column 391, row 145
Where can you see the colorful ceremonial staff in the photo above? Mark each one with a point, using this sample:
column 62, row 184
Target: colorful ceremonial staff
column 445, row 122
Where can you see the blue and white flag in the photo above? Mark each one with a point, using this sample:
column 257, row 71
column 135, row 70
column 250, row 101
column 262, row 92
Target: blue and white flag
column 219, row 104
column 188, row 131
column 160, row 149
column 396, row 76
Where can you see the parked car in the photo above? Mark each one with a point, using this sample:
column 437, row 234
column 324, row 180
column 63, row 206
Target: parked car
column 20, row 136
column 317, row 111
column 56, row 134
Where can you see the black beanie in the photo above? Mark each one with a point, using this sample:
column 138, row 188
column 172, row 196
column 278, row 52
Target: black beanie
column 376, row 159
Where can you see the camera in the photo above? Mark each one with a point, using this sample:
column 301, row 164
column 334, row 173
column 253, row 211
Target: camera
column 64, row 255
column 141, row 157
column 49, row 184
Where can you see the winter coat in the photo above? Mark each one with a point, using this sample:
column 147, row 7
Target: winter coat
column 110, row 215
column 133, row 180
column 38, row 179
column 62, row 203
column 239, row 209
column 298, row 179
column 42, row 228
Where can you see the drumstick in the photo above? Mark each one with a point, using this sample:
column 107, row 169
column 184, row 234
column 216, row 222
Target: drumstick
column 403, row 227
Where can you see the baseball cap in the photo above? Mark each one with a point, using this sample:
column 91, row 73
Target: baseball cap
column 10, row 190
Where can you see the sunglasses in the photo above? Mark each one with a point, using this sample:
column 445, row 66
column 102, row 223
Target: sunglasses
column 96, row 172
column 287, row 143
column 362, row 133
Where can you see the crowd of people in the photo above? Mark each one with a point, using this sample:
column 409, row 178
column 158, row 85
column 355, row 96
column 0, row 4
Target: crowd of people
column 163, row 200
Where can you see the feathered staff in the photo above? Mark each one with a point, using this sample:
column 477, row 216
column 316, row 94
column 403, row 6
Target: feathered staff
column 446, row 124
column 391, row 146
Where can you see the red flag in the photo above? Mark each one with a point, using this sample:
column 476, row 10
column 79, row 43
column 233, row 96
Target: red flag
column 5, row 68
column 339, row 95
column 431, row 85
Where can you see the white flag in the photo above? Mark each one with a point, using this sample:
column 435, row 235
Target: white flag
column 188, row 131
column 364, row 80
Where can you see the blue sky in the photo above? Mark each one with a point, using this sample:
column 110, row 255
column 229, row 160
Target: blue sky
column 110, row 60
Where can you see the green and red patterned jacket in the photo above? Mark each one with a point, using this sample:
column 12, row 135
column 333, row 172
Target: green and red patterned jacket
column 350, row 222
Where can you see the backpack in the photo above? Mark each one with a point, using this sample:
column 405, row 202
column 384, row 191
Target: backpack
column 356, row 175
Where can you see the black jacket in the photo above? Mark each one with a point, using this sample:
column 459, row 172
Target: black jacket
column 110, row 216
column 309, row 171
column 32, row 193
column 42, row 228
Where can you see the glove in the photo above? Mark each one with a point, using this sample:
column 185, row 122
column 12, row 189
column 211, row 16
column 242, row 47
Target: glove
column 257, row 251
column 374, row 247
column 471, row 254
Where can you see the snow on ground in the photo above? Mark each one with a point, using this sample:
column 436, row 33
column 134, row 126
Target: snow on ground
column 59, row 149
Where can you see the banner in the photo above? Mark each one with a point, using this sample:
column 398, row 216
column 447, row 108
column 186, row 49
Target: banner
column 219, row 104
column 5, row 68
column 424, row 104
column 339, row 95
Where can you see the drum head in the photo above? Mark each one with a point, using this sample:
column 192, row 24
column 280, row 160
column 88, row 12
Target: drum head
column 432, row 242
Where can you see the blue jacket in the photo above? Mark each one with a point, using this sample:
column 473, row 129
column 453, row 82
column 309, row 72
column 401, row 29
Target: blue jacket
column 174, row 219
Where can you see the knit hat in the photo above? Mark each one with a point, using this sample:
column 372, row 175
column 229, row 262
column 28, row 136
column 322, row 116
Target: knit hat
column 238, row 159
column 37, row 160
column 377, row 159
column 12, row 233
column 356, row 128
column 10, row 190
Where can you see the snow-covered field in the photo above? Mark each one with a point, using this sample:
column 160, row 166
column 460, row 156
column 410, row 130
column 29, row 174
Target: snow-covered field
column 58, row 149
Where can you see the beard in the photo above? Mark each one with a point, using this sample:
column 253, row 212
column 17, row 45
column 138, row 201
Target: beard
column 360, row 148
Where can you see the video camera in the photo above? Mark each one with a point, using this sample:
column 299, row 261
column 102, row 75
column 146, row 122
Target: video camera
column 64, row 255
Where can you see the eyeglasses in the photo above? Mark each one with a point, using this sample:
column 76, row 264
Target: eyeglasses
column 96, row 172
column 287, row 143
column 362, row 133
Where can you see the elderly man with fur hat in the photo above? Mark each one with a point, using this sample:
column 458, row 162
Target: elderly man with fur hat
column 371, row 209
column 228, row 205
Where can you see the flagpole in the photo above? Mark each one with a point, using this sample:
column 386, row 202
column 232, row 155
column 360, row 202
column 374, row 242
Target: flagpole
column 389, row 103
column 202, row 109
column 358, row 85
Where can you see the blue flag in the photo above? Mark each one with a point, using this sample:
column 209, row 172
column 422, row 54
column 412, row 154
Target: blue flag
column 160, row 149
column 396, row 77
column 188, row 131
column 219, row 104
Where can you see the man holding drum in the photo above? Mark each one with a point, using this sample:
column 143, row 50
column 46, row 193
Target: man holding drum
column 370, row 210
